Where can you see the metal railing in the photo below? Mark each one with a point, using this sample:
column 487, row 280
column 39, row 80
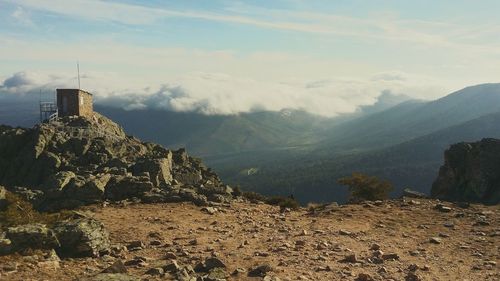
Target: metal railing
column 48, row 111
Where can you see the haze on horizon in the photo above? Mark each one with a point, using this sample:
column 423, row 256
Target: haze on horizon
column 225, row 57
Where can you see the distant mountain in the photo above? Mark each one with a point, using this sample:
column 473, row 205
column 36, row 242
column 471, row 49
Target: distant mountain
column 22, row 112
column 385, row 101
column 208, row 135
column 413, row 119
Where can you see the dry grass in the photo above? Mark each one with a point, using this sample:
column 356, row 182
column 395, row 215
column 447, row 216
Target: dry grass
column 20, row 211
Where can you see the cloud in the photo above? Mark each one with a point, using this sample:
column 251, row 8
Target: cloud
column 21, row 16
column 18, row 80
column 390, row 76
column 223, row 94
column 28, row 82
column 425, row 33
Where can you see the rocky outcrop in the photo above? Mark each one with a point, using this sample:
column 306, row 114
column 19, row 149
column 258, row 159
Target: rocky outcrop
column 75, row 161
column 471, row 173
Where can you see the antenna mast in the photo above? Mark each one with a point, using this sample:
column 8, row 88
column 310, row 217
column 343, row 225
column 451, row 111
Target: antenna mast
column 78, row 70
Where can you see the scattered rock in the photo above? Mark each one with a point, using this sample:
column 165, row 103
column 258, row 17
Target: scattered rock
column 110, row 277
column 435, row 240
column 442, row 208
column 155, row 243
column 172, row 266
column 449, row 224
column 135, row 245
column 344, row 232
column 209, row 264
column 300, row 243
column 391, row 256
column 364, row 277
column 137, row 261
column 481, row 223
column 239, row 271
column 155, row 271
column 350, row 259
column 116, row 267
column 260, row 271
column 209, row 210
column 412, row 276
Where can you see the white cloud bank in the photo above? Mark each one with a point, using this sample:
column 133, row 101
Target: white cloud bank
column 215, row 93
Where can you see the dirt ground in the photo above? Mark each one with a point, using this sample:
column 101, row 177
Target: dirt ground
column 391, row 240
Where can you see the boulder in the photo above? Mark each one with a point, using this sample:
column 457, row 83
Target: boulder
column 116, row 267
column 82, row 237
column 209, row 264
column 413, row 194
column 59, row 180
column 180, row 157
column 260, row 271
column 32, row 236
column 87, row 189
column 191, row 195
column 160, row 170
column 5, row 244
column 471, row 173
column 188, row 176
column 128, row 187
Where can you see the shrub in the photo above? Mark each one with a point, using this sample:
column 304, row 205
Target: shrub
column 313, row 207
column 364, row 187
column 254, row 196
column 20, row 211
column 237, row 191
column 283, row 202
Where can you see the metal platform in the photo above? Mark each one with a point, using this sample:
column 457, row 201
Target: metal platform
column 48, row 111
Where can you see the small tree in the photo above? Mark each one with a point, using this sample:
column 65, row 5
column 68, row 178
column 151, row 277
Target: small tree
column 364, row 187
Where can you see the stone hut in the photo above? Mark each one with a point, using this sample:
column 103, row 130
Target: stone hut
column 74, row 102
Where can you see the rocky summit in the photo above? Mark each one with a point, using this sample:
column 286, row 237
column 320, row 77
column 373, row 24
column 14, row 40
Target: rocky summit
column 75, row 161
column 471, row 173
column 82, row 201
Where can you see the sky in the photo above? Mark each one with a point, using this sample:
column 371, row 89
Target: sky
column 227, row 57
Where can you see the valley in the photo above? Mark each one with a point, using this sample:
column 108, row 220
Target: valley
column 304, row 155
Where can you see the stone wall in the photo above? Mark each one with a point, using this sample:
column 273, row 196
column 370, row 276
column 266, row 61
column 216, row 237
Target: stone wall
column 86, row 108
